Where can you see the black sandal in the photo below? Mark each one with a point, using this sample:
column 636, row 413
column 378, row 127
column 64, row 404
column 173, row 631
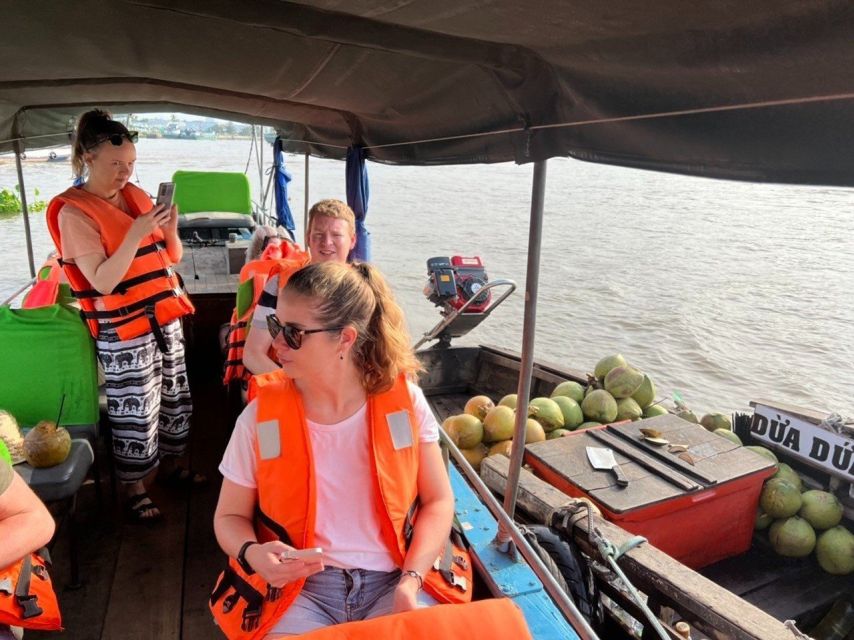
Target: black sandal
column 137, row 505
column 181, row 477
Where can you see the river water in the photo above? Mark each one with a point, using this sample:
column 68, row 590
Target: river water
column 722, row 291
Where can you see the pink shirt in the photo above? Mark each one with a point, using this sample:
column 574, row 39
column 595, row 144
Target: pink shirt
column 347, row 527
column 79, row 234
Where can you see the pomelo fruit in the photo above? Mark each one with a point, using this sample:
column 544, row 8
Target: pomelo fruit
column 498, row 424
column 599, row 406
column 571, row 410
column 835, row 551
column 712, row 421
column 792, row 537
column 464, row 429
column 622, row 382
column 821, row 509
column 780, row 499
column 787, row 473
column 604, row 366
column 729, row 435
column 479, row 406
column 475, row 455
column 534, row 431
column 502, row 448
column 570, row 389
column 655, row 410
column 508, row 401
column 628, row 409
column 645, row 395
column 547, row 412
column 557, row 433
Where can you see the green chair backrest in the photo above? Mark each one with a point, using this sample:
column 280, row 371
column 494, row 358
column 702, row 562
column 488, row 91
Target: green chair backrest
column 212, row 191
column 46, row 353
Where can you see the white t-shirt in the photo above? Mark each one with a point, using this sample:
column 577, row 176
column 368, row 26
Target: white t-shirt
column 347, row 527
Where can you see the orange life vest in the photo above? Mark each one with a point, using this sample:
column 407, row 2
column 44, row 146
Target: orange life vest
column 32, row 602
column 491, row 619
column 253, row 277
column 150, row 295
column 46, row 289
column 247, row 607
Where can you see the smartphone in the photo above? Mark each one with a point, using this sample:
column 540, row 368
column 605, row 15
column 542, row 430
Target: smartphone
column 302, row 554
column 165, row 192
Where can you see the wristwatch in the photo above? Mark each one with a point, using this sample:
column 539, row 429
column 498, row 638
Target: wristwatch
column 241, row 557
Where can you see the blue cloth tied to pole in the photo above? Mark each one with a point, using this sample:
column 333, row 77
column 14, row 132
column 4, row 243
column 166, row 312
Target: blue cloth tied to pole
column 281, row 178
column 358, row 193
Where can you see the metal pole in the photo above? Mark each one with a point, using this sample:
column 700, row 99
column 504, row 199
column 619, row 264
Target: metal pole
column 305, row 204
column 23, row 193
column 535, row 236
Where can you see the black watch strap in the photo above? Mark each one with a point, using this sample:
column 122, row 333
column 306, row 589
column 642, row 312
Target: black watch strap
column 241, row 557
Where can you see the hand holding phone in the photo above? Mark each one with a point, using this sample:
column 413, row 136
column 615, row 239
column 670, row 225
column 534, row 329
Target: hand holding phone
column 313, row 553
column 165, row 192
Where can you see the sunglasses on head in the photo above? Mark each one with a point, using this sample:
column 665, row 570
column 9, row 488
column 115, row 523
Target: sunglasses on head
column 292, row 335
column 115, row 139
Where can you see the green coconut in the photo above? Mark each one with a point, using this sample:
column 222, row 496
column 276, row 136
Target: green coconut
column 712, row 421
column 628, row 409
column 604, row 366
column 479, row 406
column 787, row 473
column 475, row 455
column 498, row 424
column 557, row 433
column 762, row 451
column 547, row 412
column 502, row 448
column 622, row 382
column 780, row 499
column 655, row 410
column 645, row 395
column 46, row 445
column 534, row 431
column 599, row 406
column 571, row 410
column 835, row 551
column 687, row 414
column 762, row 521
column 464, row 429
column 508, row 401
column 792, row 537
column 729, row 435
column 821, row 509
column 570, row 389
column 588, row 425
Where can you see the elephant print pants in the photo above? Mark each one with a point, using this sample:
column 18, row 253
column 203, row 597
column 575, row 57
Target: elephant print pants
column 148, row 399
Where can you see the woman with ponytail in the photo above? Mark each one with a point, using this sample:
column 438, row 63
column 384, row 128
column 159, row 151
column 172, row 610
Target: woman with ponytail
column 118, row 251
column 338, row 451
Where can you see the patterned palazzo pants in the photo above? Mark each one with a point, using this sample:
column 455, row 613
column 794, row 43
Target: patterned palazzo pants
column 148, row 399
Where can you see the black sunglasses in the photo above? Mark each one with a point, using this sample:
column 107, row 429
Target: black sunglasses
column 116, row 139
column 291, row 334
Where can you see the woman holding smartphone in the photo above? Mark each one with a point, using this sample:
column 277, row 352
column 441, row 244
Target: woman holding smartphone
column 336, row 451
column 117, row 251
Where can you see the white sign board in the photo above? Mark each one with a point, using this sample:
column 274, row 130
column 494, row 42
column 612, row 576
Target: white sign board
column 826, row 450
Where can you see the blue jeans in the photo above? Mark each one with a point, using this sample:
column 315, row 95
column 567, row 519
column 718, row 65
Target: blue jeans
column 337, row 595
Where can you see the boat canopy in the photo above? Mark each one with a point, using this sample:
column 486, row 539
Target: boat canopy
column 760, row 90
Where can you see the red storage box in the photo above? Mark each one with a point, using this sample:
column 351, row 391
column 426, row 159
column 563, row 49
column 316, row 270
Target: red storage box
column 698, row 513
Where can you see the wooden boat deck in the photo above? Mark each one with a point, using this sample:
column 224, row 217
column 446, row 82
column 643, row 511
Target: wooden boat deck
column 153, row 581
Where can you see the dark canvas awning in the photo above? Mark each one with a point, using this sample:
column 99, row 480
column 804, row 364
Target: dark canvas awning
column 559, row 78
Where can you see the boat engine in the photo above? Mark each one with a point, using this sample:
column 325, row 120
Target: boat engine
column 451, row 282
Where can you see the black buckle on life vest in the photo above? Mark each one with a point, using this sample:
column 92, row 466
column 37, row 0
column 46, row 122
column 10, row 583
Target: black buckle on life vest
column 30, row 605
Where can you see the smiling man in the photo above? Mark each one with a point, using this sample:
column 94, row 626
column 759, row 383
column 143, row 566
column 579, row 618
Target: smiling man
column 330, row 238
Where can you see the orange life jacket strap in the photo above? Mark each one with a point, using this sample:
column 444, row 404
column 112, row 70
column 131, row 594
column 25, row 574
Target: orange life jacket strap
column 123, row 286
column 131, row 308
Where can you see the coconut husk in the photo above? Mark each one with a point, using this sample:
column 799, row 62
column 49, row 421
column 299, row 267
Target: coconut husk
column 11, row 436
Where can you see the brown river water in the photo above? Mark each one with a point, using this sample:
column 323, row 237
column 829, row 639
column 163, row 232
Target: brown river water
column 722, row 291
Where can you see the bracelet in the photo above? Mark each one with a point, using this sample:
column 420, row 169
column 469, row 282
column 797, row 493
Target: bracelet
column 241, row 557
column 418, row 577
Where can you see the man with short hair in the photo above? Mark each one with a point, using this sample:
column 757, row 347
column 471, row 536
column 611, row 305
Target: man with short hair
column 330, row 237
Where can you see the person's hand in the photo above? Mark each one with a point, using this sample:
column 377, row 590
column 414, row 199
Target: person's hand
column 405, row 595
column 170, row 227
column 146, row 223
column 267, row 561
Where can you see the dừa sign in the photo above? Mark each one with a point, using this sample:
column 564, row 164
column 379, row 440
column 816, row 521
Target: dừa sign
column 826, row 450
